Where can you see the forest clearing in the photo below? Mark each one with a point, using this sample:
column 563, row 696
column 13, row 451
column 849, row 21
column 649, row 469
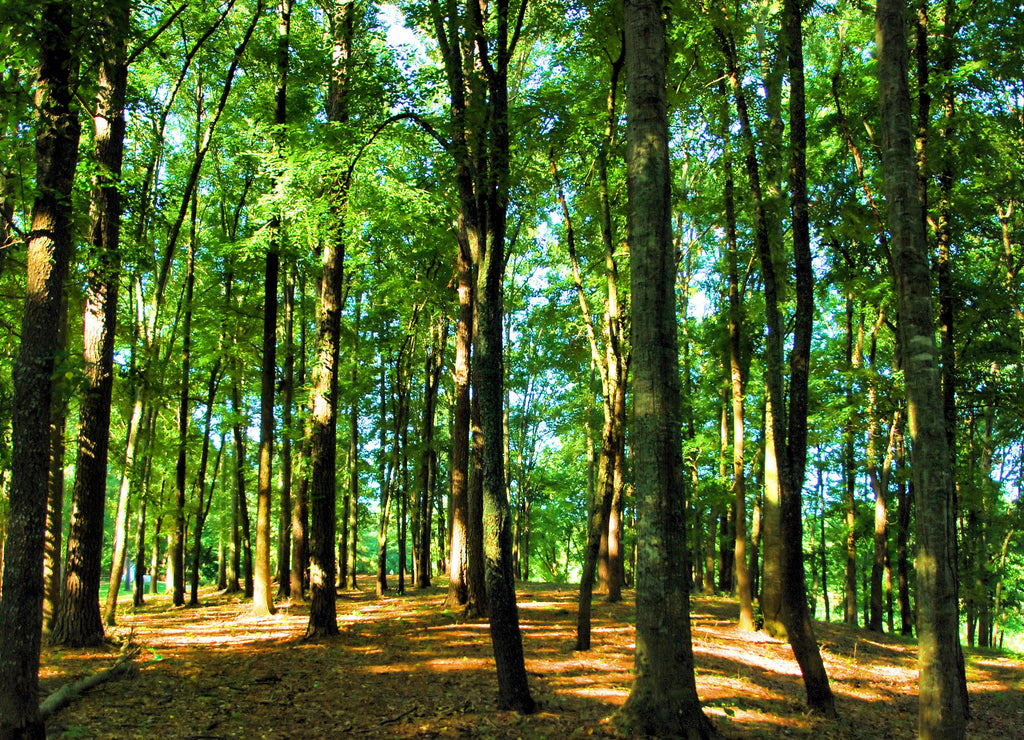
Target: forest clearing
column 404, row 667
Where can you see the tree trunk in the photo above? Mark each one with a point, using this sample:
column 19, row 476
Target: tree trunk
column 281, row 120
column 239, row 434
column 663, row 699
column 941, row 709
column 353, row 457
column 200, row 484
column 850, row 476
column 154, row 562
column 138, row 598
column 458, row 563
column 323, row 618
column 78, row 621
column 123, row 507
column 263, row 600
column 54, row 534
column 49, row 254
column 106, row 234
column 738, row 387
column 300, row 501
column 800, row 628
column 773, row 607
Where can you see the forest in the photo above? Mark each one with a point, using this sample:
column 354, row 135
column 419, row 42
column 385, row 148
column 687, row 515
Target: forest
column 657, row 303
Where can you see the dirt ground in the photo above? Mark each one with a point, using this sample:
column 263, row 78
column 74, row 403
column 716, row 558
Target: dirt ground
column 403, row 667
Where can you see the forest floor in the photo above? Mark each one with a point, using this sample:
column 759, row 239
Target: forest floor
column 404, row 667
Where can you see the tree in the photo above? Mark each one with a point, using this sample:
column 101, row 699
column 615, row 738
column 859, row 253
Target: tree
column 663, row 700
column 941, row 710
column 323, row 620
column 49, row 254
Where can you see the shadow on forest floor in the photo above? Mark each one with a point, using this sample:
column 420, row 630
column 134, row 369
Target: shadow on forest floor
column 403, row 667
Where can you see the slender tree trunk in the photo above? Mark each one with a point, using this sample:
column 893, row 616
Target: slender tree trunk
column 123, row 508
column 154, row 561
column 822, row 549
column 800, row 628
column 138, row 598
column 54, row 536
column 384, row 477
column 281, row 120
column 263, row 600
column 941, row 710
column 458, row 564
column 238, row 432
column 300, row 501
column 200, row 485
column 49, row 254
column 432, row 381
column 663, row 700
column 850, row 476
column 353, row 456
column 177, row 554
column 737, row 385
column 773, row 606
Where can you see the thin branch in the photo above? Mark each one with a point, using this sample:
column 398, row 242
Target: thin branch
column 133, row 55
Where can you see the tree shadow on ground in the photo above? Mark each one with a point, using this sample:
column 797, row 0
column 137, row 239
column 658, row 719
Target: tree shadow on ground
column 403, row 667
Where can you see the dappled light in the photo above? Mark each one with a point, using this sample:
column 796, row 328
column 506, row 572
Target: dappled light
column 403, row 667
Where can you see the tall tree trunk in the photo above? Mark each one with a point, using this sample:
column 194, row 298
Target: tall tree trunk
column 800, row 628
column 738, row 387
column 281, row 120
column 773, row 607
column 53, row 537
column 239, row 435
column 458, row 565
column 123, row 509
column 384, row 473
column 154, row 561
column 177, row 554
column 138, row 597
column 106, row 234
column 49, row 254
column 428, row 465
column 663, row 699
column 353, row 456
column 200, row 484
column 495, row 55
column 263, row 600
column 941, row 710
column 78, row 619
column 850, row 475
column 300, row 501
column 323, row 618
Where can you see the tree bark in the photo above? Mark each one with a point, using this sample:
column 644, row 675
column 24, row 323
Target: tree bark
column 941, row 710
column 353, row 457
column 323, row 619
column 238, row 433
column 850, row 476
column 738, row 387
column 428, row 465
column 458, row 564
column 263, row 600
column 800, row 628
column 663, row 700
column 49, row 254
column 78, row 621
column 53, row 538
column 200, row 484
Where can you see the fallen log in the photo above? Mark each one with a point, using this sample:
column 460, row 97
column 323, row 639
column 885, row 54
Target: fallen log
column 69, row 692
